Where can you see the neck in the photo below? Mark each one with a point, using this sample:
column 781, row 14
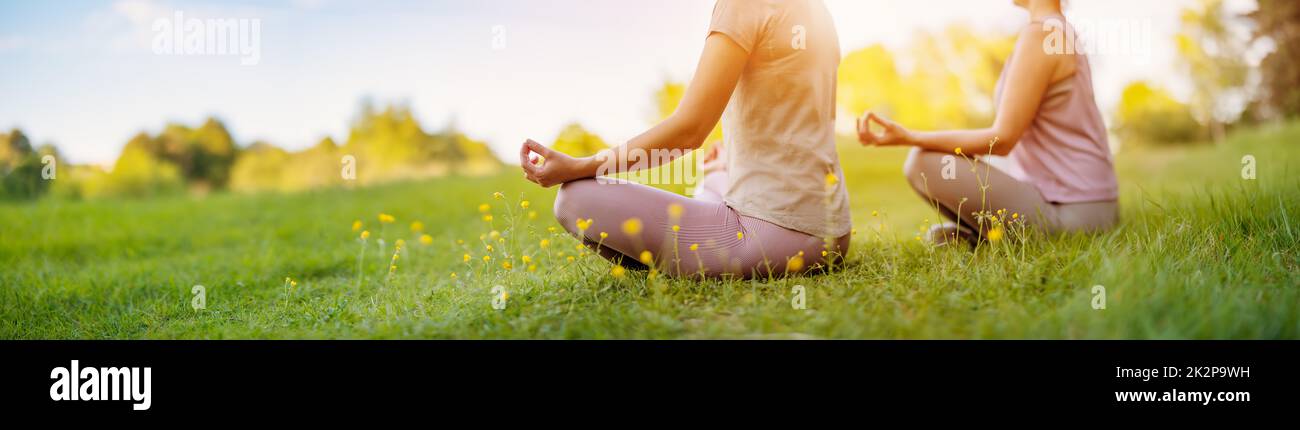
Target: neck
column 1043, row 8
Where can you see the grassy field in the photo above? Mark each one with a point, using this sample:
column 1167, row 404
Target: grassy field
column 1202, row 253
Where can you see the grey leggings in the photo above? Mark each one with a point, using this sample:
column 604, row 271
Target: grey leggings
column 705, row 223
column 924, row 172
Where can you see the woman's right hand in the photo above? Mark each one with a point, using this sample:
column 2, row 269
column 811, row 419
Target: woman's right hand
column 546, row 167
column 893, row 134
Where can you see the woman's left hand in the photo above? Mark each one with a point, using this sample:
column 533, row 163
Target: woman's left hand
column 549, row 167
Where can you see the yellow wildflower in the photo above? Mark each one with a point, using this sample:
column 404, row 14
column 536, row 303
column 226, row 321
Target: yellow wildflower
column 426, row 239
column 526, row 259
column 417, row 227
column 647, row 258
column 545, row 243
column 677, row 228
column 618, row 271
column 695, row 247
column 995, row 234
column 487, row 218
column 957, row 151
column 356, row 225
column 466, row 258
column 365, row 235
column 484, row 208
column 497, row 195
column 831, row 180
column 494, row 234
column 740, row 235
column 795, row 264
column 524, row 204
column 506, row 265
column 604, row 235
column 675, row 210
column 632, row 226
column 386, row 218
column 487, row 258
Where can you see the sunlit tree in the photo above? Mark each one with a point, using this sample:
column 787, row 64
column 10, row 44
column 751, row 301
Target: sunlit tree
column 1212, row 42
column 1149, row 114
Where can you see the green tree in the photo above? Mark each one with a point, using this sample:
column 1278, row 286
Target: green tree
column 392, row 144
column 1212, row 49
column 1277, row 22
column 949, row 84
column 139, row 172
column 261, row 167
column 1148, row 114
column 578, row 142
column 20, row 168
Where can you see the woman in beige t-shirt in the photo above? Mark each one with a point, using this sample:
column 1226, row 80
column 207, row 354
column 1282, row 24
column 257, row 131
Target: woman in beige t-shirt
column 768, row 72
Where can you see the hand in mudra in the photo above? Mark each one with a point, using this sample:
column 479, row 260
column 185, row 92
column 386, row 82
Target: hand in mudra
column 891, row 134
column 547, row 167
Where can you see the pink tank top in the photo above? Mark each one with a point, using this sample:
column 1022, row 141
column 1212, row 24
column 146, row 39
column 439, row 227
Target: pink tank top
column 1065, row 152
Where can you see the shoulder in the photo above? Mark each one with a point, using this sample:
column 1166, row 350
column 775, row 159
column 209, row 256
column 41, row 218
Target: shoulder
column 1042, row 41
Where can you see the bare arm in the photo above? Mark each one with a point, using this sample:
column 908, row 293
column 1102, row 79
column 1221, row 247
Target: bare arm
column 686, row 129
column 1031, row 72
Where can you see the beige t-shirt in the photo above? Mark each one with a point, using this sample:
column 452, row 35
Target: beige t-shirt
column 779, row 127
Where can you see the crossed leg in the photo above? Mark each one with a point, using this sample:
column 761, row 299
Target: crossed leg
column 725, row 242
column 989, row 189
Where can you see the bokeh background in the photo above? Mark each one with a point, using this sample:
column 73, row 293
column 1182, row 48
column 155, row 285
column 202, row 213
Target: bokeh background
column 421, row 89
column 184, row 171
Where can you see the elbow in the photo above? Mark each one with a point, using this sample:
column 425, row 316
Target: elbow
column 1003, row 142
column 691, row 133
column 1003, row 148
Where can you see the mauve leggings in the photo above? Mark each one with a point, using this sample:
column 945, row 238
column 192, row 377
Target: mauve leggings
column 924, row 171
column 766, row 249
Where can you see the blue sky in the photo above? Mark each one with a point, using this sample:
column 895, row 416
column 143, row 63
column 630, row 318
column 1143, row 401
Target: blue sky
column 82, row 74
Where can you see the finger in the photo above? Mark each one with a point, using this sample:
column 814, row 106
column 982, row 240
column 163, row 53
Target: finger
column 863, row 135
column 884, row 122
column 525, row 158
column 538, row 148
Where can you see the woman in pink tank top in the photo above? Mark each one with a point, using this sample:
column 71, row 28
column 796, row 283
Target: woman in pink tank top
column 1061, row 179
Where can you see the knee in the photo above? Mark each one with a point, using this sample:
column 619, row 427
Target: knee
column 569, row 202
column 920, row 166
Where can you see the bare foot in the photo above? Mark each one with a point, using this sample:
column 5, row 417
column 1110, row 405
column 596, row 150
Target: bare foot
column 943, row 234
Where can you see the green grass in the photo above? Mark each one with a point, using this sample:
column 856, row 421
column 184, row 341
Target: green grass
column 1201, row 254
